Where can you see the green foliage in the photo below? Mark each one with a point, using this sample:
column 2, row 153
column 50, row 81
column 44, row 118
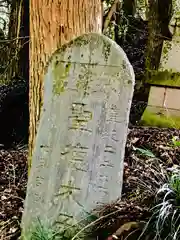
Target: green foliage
column 165, row 220
column 42, row 232
column 3, row 81
column 39, row 232
column 175, row 142
column 175, row 186
column 145, row 152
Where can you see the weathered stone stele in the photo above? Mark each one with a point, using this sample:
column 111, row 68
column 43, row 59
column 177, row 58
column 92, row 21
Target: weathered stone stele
column 77, row 163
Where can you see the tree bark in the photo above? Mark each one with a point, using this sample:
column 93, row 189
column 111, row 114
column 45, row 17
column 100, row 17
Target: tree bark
column 53, row 23
column 160, row 13
column 154, row 45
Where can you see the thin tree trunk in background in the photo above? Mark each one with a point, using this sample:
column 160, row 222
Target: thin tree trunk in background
column 53, row 23
column 18, row 63
column 23, row 64
column 110, row 13
column 13, row 36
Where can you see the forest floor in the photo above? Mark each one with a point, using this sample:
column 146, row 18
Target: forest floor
column 149, row 155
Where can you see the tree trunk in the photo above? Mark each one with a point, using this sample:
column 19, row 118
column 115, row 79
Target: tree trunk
column 160, row 13
column 155, row 42
column 53, row 23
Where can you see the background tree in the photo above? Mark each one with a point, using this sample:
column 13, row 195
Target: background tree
column 14, row 72
column 159, row 16
column 53, row 23
column 15, row 44
column 4, row 19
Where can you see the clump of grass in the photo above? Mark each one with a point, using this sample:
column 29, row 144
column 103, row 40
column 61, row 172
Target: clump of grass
column 41, row 231
column 165, row 219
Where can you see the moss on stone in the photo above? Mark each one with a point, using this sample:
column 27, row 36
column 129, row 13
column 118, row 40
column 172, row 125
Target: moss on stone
column 166, row 49
column 79, row 41
column 106, row 49
column 60, row 73
column 164, row 78
column 82, row 40
column 152, row 119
